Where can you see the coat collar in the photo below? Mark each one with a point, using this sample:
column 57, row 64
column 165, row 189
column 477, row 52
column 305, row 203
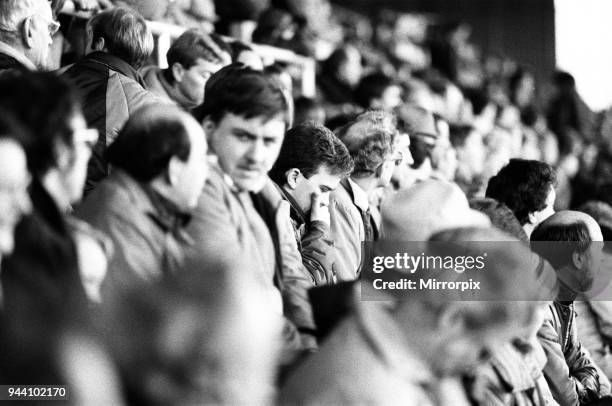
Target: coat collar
column 358, row 195
column 116, row 64
column 163, row 212
column 6, row 49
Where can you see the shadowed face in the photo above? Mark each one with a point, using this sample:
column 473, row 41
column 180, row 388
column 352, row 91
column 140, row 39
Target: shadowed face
column 191, row 82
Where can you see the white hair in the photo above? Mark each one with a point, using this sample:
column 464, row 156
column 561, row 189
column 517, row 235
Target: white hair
column 13, row 12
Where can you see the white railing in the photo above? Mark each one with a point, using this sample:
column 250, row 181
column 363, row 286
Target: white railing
column 165, row 33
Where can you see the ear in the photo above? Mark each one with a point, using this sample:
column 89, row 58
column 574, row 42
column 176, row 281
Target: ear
column 532, row 217
column 291, row 177
column 178, row 71
column 578, row 259
column 98, row 45
column 28, row 33
column 175, row 169
column 209, row 127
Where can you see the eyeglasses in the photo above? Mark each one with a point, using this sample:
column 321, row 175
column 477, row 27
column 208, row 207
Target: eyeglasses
column 397, row 158
column 52, row 25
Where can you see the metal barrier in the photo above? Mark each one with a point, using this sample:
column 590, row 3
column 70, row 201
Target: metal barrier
column 165, row 33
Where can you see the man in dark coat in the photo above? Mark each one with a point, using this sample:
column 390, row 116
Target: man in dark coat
column 108, row 81
column 41, row 279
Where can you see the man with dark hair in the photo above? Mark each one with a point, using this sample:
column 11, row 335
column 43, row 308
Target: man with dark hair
column 26, row 33
column 159, row 170
column 378, row 91
column 192, row 59
column 119, row 43
column 41, row 277
column 527, row 188
column 245, row 116
column 572, row 243
column 370, row 140
column 311, row 163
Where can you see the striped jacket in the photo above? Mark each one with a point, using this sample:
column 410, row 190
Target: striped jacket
column 111, row 90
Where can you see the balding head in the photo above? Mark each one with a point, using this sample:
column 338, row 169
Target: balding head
column 567, row 219
column 165, row 147
column 572, row 242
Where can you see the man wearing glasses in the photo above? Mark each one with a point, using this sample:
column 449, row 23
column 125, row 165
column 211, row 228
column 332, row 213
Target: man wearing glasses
column 26, row 31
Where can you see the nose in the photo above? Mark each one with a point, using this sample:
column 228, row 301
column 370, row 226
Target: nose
column 256, row 152
column 408, row 157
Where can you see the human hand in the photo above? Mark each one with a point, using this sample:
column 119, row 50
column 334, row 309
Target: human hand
column 319, row 210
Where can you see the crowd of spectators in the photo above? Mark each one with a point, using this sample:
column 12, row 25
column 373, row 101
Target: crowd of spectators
column 199, row 233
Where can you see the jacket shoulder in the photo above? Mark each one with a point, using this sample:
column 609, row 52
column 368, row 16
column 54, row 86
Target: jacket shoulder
column 342, row 206
column 109, row 199
column 134, row 94
column 150, row 74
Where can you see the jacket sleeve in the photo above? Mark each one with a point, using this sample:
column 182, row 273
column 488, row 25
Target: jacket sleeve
column 132, row 260
column 119, row 109
column 295, row 279
column 603, row 312
column 584, row 369
column 318, row 253
column 347, row 234
column 211, row 225
column 564, row 387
